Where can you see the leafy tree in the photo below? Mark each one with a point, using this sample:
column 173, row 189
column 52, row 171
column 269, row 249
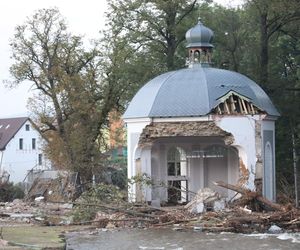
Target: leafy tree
column 260, row 40
column 73, row 97
column 287, row 94
column 272, row 17
column 230, row 34
column 154, row 25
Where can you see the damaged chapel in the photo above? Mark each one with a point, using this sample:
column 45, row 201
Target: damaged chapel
column 190, row 128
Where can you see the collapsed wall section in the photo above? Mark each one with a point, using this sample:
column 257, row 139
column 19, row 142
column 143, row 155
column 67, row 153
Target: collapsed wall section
column 157, row 130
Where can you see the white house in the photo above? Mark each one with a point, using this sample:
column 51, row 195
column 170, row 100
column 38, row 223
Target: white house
column 20, row 148
column 189, row 128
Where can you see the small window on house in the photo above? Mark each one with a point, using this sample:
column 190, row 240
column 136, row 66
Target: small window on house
column 33, row 143
column 27, row 127
column 21, row 143
column 40, row 159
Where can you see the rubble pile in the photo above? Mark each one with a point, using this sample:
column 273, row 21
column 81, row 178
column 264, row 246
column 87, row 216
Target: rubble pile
column 60, row 189
column 36, row 212
column 103, row 207
column 205, row 200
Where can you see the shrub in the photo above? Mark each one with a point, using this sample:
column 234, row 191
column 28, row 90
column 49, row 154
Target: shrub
column 119, row 178
column 10, row 191
column 99, row 194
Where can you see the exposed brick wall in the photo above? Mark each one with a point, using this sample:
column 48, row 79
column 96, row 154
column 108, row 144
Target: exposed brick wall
column 157, row 130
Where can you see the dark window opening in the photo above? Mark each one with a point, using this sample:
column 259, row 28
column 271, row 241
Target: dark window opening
column 27, row 127
column 21, row 143
column 40, row 159
column 33, row 143
column 176, row 162
column 177, row 192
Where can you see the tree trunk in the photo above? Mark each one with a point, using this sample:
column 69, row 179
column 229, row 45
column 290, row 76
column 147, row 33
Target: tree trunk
column 264, row 43
column 295, row 170
column 234, row 61
column 249, row 194
column 171, row 37
column 170, row 54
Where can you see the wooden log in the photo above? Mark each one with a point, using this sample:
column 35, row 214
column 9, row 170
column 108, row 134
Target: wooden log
column 252, row 109
column 232, row 104
column 246, row 219
column 244, row 106
column 250, row 193
column 226, row 107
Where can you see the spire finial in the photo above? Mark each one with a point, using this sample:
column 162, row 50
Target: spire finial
column 199, row 44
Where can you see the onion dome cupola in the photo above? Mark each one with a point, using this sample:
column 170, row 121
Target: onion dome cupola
column 199, row 40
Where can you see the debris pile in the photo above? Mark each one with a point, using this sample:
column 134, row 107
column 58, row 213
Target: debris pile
column 105, row 206
column 37, row 212
column 205, row 200
column 62, row 189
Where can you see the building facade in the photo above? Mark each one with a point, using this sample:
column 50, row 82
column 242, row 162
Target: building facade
column 20, row 148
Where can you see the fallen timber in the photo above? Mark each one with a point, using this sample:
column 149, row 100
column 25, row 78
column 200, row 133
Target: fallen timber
column 250, row 194
column 109, row 214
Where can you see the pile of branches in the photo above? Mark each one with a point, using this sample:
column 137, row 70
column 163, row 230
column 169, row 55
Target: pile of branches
column 106, row 207
column 254, row 213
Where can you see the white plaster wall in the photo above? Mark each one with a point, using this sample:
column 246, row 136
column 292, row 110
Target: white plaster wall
column 134, row 130
column 146, row 169
column 17, row 162
column 243, row 130
column 133, row 127
column 233, row 169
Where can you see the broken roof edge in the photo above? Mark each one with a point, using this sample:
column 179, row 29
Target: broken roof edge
column 229, row 93
column 271, row 117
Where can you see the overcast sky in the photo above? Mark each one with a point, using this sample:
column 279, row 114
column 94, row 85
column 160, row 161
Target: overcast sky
column 83, row 17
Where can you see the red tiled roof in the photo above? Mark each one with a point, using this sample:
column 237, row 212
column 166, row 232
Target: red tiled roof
column 8, row 128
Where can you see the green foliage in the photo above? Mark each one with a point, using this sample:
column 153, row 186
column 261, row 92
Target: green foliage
column 143, row 40
column 141, row 179
column 103, row 193
column 73, row 96
column 119, row 178
column 98, row 194
column 10, row 191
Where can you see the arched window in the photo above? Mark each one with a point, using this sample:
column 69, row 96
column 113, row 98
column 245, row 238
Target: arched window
column 176, row 159
column 197, row 56
column 177, row 175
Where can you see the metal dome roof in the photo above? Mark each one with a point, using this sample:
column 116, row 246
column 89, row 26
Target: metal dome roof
column 199, row 36
column 194, row 91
